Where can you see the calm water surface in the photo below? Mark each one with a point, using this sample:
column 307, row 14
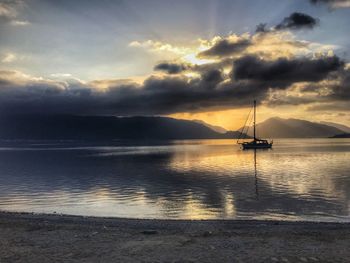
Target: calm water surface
column 307, row 179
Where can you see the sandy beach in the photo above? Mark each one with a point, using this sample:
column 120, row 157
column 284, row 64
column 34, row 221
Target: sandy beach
column 61, row 238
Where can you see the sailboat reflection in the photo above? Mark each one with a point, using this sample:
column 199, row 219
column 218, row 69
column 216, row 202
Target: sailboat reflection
column 256, row 177
column 256, row 170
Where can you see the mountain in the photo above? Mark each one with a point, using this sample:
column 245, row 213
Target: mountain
column 47, row 127
column 343, row 135
column 341, row 127
column 293, row 128
column 213, row 127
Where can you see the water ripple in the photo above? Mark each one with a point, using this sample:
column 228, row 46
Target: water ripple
column 297, row 180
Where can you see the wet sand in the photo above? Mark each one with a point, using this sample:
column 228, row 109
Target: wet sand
column 60, row 238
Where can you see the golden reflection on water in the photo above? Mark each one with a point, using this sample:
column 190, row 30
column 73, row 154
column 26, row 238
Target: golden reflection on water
column 211, row 157
column 187, row 179
column 308, row 175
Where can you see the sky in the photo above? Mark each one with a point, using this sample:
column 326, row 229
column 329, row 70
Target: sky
column 193, row 59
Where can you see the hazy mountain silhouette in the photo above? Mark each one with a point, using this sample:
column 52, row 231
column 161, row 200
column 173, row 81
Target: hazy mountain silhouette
column 43, row 127
column 293, row 128
column 341, row 127
column 216, row 128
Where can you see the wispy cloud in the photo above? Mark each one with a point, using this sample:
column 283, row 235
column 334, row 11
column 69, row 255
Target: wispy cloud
column 158, row 46
column 333, row 4
column 20, row 23
column 8, row 58
column 61, row 75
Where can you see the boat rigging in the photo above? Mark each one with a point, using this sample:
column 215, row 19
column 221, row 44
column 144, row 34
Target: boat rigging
column 256, row 143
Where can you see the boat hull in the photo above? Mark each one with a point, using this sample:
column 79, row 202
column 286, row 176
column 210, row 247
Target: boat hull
column 250, row 146
column 257, row 144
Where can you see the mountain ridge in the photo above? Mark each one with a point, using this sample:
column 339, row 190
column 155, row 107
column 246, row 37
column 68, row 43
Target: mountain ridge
column 341, row 127
column 55, row 127
column 277, row 127
column 104, row 128
column 216, row 128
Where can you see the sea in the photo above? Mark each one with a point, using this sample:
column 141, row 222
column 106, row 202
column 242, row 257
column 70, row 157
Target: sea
column 298, row 179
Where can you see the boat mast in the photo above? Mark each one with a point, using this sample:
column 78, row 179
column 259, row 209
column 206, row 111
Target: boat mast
column 254, row 119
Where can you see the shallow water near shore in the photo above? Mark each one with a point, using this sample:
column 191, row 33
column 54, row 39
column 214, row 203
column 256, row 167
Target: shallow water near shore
column 299, row 179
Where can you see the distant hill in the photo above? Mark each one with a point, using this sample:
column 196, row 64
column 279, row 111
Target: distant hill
column 103, row 128
column 213, row 127
column 341, row 127
column 293, row 128
column 343, row 135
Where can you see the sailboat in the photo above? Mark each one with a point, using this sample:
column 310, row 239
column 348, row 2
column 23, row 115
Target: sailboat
column 256, row 143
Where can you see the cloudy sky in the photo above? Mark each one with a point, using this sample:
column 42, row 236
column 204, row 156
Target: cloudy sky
column 193, row 59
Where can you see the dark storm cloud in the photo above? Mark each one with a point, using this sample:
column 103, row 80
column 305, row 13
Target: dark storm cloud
column 338, row 90
column 171, row 68
column 203, row 69
column 283, row 72
column 225, row 48
column 297, row 21
column 331, row 94
column 335, row 93
column 157, row 95
column 251, row 78
column 213, row 76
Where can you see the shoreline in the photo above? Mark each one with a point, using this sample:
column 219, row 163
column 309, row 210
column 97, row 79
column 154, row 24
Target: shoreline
column 88, row 218
column 27, row 237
